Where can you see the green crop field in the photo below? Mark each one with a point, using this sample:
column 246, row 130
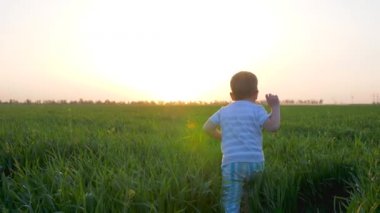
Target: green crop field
column 121, row 158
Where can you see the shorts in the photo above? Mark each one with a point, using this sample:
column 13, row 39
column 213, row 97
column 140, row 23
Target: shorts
column 234, row 176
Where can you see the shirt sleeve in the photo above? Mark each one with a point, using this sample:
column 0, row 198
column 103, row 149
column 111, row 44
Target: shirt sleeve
column 262, row 115
column 215, row 118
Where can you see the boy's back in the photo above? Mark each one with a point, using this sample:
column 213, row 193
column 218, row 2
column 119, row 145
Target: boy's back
column 241, row 123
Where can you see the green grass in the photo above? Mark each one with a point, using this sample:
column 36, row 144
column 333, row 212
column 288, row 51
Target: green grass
column 118, row 158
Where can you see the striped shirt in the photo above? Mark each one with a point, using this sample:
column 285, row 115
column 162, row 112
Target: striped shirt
column 241, row 124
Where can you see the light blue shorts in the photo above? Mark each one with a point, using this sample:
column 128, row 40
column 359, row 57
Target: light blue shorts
column 234, row 176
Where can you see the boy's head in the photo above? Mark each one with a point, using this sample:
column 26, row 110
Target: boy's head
column 243, row 86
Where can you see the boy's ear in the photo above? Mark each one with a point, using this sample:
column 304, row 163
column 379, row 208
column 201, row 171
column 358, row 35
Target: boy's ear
column 255, row 94
column 232, row 96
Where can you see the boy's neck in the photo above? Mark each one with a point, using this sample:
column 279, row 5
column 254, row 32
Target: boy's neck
column 248, row 99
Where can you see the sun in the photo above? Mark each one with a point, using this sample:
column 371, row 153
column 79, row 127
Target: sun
column 172, row 55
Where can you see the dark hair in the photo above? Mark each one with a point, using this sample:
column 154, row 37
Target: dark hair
column 243, row 85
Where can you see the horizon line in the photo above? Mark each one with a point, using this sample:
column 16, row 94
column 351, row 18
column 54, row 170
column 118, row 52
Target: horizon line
column 175, row 102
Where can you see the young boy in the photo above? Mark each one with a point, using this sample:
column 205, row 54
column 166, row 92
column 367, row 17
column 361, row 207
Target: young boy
column 241, row 124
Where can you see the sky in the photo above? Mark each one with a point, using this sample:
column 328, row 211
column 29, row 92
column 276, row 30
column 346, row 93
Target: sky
column 188, row 50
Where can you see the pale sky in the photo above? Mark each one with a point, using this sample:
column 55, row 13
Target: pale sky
column 188, row 50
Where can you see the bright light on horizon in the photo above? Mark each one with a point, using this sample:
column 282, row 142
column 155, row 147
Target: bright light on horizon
column 176, row 55
column 170, row 50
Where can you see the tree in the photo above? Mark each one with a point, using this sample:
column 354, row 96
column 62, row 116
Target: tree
column 13, row 101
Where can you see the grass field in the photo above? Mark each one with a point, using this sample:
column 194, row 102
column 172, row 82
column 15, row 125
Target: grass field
column 120, row 158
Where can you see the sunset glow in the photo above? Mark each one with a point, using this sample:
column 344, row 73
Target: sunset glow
column 170, row 50
column 176, row 55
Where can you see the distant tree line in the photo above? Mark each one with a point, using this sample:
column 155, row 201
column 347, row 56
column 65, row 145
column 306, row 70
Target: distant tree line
column 307, row 102
column 153, row 103
column 110, row 102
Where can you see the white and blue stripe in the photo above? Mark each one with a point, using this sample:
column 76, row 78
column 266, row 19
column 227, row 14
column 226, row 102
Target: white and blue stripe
column 241, row 125
column 235, row 175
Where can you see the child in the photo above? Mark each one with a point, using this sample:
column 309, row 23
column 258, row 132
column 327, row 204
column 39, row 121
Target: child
column 241, row 124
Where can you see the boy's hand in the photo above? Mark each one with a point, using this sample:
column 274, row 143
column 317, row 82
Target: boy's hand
column 272, row 100
column 273, row 122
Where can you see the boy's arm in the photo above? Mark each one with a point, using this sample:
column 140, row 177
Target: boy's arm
column 273, row 122
column 212, row 129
